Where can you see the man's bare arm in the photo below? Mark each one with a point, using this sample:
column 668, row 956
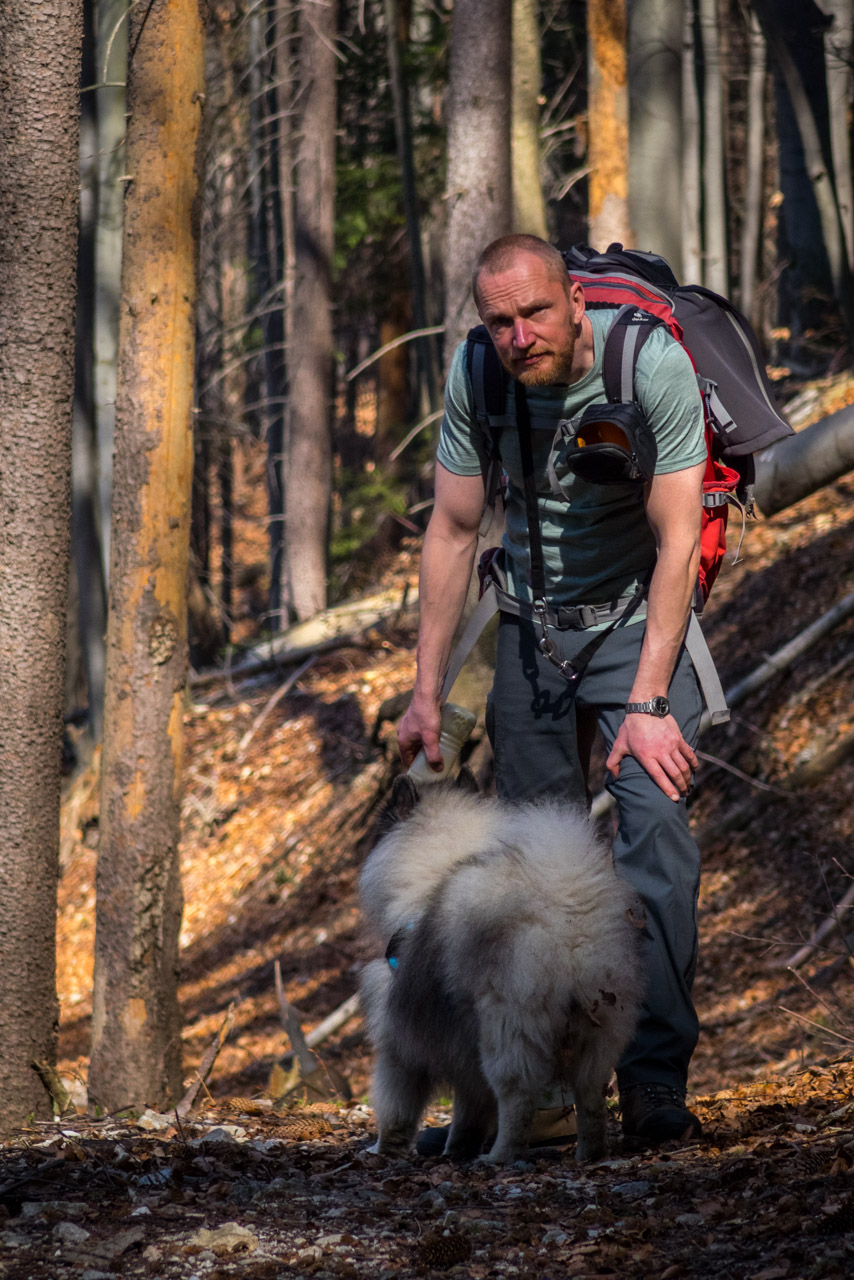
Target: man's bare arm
column 674, row 510
column 446, row 567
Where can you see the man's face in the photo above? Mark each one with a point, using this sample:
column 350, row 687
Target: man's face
column 532, row 319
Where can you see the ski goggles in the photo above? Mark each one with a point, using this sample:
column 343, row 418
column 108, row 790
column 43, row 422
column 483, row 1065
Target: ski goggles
column 610, row 444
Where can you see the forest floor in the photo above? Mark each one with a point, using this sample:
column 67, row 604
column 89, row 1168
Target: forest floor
column 275, row 828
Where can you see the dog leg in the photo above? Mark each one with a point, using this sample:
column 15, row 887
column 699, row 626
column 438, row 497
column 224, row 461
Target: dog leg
column 591, row 1117
column 473, row 1120
column 400, row 1095
column 594, row 1061
column 515, row 1113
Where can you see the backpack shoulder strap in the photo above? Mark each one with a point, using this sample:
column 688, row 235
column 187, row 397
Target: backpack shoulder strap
column 486, row 375
column 624, row 341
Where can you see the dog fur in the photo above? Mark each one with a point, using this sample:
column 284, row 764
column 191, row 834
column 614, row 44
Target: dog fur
column 512, row 963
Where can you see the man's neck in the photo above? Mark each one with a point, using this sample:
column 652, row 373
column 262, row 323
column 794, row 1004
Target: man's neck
column 583, row 356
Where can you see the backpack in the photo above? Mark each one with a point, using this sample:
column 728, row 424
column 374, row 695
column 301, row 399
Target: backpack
column 741, row 417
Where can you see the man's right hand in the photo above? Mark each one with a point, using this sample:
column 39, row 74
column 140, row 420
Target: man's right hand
column 420, row 728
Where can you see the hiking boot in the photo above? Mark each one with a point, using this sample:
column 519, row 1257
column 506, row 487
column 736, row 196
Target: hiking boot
column 551, row 1127
column 655, row 1112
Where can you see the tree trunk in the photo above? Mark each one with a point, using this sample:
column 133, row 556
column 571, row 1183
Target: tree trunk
column 40, row 44
column 656, row 194
column 755, row 160
column 403, row 134
column 478, row 184
column 136, row 1026
column 794, row 40
column 608, row 114
column 267, row 253
column 110, row 69
column 715, row 274
column 838, row 50
column 692, row 236
column 529, row 210
column 800, row 464
column 89, row 620
column 309, row 437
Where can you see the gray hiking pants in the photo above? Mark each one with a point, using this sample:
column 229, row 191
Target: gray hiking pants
column 531, row 719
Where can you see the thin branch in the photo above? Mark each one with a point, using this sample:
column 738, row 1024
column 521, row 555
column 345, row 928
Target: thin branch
column 389, row 346
column 745, row 777
column 271, row 702
column 809, row 1021
column 410, row 435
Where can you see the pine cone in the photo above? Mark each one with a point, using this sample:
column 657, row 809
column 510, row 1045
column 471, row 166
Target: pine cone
column 441, row 1251
column 303, row 1126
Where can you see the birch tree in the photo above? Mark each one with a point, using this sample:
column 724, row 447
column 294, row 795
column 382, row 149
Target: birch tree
column 656, row 193
column 136, row 1027
column 309, row 432
column 40, row 44
column 478, row 183
column 715, row 272
column 755, row 164
column 529, row 210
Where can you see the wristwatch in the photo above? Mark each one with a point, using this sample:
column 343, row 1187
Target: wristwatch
column 659, row 707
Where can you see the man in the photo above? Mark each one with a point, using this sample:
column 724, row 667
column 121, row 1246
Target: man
column 601, row 547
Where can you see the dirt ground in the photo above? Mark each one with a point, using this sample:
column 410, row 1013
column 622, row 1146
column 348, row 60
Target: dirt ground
column 274, row 832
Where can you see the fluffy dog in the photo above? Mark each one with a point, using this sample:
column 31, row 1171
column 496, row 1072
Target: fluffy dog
column 512, row 962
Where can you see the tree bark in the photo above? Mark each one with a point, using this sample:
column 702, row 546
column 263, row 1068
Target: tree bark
column 110, row 69
column 838, row 50
column 478, row 183
column 692, row 237
column 309, row 436
column 88, row 622
column 608, row 114
column 715, row 273
column 754, row 188
column 656, row 195
column 40, row 43
column 136, row 1027
column 403, row 134
column 529, row 210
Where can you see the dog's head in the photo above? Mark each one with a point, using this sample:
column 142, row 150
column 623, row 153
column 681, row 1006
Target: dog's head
column 413, row 846
column 406, row 793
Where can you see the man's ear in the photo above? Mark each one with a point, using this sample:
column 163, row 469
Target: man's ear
column 576, row 301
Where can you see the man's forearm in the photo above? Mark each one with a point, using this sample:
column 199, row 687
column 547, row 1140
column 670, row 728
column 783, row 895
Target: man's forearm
column 670, row 594
column 446, row 567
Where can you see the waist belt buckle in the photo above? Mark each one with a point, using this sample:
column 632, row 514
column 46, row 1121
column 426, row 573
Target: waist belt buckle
column 588, row 616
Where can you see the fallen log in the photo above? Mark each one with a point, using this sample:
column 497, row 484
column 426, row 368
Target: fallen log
column 332, row 629
column 801, row 464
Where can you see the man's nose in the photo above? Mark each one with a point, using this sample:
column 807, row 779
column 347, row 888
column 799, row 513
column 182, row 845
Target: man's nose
column 522, row 336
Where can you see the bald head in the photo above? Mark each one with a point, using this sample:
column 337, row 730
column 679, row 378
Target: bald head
column 504, row 253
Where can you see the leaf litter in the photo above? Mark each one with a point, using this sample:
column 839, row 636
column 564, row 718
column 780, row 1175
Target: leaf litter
column 253, row 1184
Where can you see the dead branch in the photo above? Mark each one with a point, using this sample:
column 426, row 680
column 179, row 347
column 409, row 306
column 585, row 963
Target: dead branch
column 332, row 629
column 827, row 926
column 783, row 658
column 185, row 1106
column 49, row 1077
column 272, row 702
column 310, row 1073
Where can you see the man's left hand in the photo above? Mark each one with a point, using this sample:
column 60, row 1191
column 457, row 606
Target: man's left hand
column 659, row 747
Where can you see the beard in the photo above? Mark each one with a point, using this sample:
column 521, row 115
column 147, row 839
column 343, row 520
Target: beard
column 552, row 368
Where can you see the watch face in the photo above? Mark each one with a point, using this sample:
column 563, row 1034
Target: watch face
column 660, row 707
